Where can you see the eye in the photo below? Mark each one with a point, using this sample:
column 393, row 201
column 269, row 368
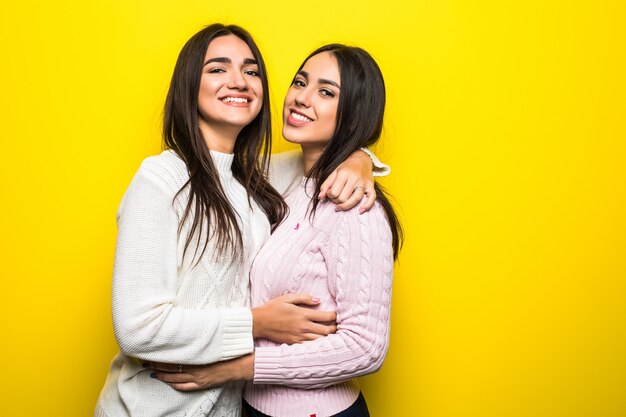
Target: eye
column 326, row 92
column 299, row 83
column 252, row 73
column 217, row 70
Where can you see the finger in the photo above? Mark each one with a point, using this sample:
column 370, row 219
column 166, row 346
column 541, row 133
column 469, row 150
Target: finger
column 352, row 201
column 310, row 336
column 172, row 377
column 369, row 201
column 326, row 185
column 337, row 188
column 321, row 316
column 186, row 386
column 322, row 329
column 165, row 367
column 300, row 298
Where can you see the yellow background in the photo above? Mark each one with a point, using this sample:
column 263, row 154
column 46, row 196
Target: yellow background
column 506, row 134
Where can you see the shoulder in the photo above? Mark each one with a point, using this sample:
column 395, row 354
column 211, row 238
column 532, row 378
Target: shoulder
column 166, row 170
column 373, row 217
column 350, row 220
column 366, row 235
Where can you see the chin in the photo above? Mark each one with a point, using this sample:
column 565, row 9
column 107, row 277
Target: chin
column 291, row 138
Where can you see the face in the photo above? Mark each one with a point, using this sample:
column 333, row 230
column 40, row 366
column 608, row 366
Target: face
column 310, row 109
column 231, row 92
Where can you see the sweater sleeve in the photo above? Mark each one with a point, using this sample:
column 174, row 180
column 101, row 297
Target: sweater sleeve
column 286, row 169
column 148, row 323
column 360, row 269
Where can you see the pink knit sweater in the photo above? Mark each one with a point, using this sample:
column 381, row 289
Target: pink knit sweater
column 346, row 260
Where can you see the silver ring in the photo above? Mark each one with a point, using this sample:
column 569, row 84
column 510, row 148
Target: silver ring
column 180, row 368
column 359, row 187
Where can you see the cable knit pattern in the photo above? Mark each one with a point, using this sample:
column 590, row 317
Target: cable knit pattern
column 346, row 260
column 166, row 308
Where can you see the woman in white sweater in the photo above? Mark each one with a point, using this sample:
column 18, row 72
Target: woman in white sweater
column 189, row 225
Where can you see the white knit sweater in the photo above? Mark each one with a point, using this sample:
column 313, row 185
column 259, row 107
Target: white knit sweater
column 167, row 310
column 164, row 309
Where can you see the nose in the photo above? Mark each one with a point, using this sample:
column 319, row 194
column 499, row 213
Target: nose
column 236, row 81
column 303, row 98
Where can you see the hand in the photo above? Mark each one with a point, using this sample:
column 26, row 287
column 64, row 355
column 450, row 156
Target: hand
column 197, row 377
column 352, row 180
column 282, row 320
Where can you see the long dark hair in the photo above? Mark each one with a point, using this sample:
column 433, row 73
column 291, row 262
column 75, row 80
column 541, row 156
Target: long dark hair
column 207, row 204
column 359, row 124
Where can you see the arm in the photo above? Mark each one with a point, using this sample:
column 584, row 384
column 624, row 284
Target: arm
column 150, row 323
column 148, row 320
column 360, row 268
column 346, row 186
column 360, row 277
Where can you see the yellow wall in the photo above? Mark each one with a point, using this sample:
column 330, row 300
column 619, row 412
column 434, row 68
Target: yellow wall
column 507, row 139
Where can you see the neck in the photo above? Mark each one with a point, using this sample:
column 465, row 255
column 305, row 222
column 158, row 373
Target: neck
column 220, row 138
column 310, row 155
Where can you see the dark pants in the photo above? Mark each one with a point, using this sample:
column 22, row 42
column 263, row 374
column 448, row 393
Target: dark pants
column 357, row 409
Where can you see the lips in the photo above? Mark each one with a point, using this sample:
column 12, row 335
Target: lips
column 236, row 100
column 296, row 118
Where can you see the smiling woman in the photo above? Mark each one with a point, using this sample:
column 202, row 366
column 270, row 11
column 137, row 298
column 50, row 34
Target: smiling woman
column 310, row 109
column 231, row 91
column 189, row 226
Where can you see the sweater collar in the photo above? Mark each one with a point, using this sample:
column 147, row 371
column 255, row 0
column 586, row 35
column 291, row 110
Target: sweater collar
column 223, row 162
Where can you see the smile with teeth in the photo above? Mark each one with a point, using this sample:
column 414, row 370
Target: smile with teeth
column 300, row 117
column 234, row 100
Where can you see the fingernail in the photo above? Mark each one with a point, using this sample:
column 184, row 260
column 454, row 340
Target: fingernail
column 153, row 375
column 315, row 300
column 337, row 208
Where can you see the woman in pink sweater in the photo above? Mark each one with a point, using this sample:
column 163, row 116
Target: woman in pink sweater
column 334, row 106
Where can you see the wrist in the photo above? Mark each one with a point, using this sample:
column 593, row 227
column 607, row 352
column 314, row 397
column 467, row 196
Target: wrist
column 258, row 317
column 365, row 157
column 247, row 368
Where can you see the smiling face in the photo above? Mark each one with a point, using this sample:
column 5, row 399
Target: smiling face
column 310, row 109
column 231, row 91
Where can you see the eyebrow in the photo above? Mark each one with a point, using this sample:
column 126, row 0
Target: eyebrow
column 321, row 80
column 224, row 60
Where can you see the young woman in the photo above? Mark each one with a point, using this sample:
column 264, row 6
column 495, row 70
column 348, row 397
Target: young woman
column 334, row 106
column 188, row 227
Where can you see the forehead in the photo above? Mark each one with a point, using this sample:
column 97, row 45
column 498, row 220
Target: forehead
column 229, row 46
column 323, row 65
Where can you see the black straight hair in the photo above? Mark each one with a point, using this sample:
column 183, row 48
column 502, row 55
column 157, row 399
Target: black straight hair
column 208, row 206
column 360, row 114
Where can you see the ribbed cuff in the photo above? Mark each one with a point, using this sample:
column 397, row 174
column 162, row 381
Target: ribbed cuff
column 237, row 338
column 381, row 170
column 266, row 363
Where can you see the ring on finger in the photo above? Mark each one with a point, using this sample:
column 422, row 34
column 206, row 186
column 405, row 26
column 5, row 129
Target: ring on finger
column 360, row 187
column 180, row 368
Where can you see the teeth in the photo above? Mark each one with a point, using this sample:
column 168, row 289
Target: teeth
column 300, row 117
column 235, row 100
